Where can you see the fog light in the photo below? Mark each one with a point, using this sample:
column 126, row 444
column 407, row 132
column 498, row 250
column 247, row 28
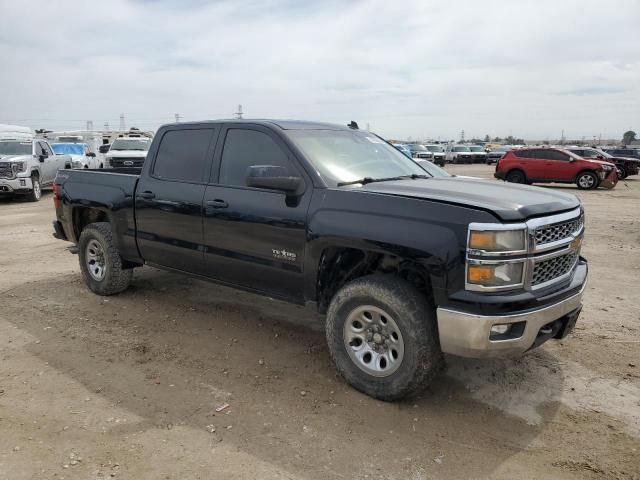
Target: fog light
column 22, row 183
column 500, row 329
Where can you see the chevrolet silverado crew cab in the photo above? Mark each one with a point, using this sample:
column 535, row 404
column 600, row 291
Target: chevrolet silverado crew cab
column 404, row 265
column 27, row 164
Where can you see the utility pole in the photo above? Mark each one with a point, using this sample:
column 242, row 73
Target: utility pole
column 238, row 114
column 122, row 124
column 462, row 136
column 89, row 125
column 368, row 127
column 177, row 117
column 562, row 137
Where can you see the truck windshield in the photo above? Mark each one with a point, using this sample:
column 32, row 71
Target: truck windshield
column 476, row 149
column 460, row 149
column 14, row 147
column 346, row 156
column 130, row 144
column 435, row 148
column 68, row 148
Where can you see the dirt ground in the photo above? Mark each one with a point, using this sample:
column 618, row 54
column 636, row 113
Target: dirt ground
column 127, row 386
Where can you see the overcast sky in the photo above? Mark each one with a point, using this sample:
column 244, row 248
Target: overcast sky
column 408, row 68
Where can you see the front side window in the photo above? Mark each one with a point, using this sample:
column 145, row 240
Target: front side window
column 347, row 156
column 183, row 155
column 556, row 155
column 244, row 148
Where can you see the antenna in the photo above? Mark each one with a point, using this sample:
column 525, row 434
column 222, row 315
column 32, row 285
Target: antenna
column 238, row 114
column 122, row 124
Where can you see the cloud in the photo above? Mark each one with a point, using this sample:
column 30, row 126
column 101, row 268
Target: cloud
column 425, row 69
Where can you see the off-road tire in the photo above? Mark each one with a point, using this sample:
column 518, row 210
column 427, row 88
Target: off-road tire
column 516, row 176
column 116, row 279
column 416, row 319
column 36, row 189
column 592, row 186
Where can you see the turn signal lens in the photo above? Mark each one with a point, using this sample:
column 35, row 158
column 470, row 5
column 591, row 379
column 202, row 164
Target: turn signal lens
column 482, row 240
column 480, row 273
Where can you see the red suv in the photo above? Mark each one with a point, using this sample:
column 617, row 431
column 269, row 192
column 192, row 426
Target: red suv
column 542, row 165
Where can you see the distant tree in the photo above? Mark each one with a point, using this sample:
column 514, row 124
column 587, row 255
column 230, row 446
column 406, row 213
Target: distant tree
column 487, row 139
column 546, row 142
column 497, row 140
column 475, row 140
column 628, row 137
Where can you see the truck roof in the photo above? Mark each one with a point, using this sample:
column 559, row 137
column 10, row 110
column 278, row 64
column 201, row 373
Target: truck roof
column 283, row 124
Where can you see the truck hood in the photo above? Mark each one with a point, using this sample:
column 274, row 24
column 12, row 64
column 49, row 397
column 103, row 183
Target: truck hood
column 626, row 159
column 509, row 202
column 15, row 158
column 127, row 153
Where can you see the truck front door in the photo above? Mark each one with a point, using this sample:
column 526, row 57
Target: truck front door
column 168, row 203
column 255, row 238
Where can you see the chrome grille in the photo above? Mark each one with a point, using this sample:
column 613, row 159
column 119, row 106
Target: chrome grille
column 558, row 231
column 555, row 267
column 118, row 162
column 5, row 170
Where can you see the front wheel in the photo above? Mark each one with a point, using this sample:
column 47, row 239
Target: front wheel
column 36, row 189
column 100, row 262
column 382, row 337
column 622, row 172
column 587, row 181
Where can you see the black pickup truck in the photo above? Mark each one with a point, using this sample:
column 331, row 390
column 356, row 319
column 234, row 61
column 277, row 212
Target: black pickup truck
column 406, row 262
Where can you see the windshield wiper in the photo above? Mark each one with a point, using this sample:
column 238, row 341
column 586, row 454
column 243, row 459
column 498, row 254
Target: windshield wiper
column 366, row 180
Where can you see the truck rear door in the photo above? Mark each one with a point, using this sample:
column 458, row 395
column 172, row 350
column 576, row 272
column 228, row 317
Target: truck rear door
column 169, row 195
column 254, row 238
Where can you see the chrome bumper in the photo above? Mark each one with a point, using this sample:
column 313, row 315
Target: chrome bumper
column 467, row 334
column 15, row 184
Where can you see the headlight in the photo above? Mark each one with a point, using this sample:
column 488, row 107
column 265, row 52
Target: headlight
column 498, row 241
column 17, row 167
column 495, row 275
column 607, row 168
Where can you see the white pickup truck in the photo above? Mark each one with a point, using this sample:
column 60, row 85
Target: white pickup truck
column 27, row 164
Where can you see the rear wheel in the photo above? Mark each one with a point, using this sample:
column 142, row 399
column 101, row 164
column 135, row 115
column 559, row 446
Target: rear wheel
column 382, row 337
column 36, row 191
column 587, row 181
column 100, row 262
column 516, row 176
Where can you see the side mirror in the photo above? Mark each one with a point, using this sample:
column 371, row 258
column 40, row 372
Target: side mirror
column 91, row 154
column 600, row 157
column 272, row 177
column 42, row 157
column 571, row 159
column 104, row 148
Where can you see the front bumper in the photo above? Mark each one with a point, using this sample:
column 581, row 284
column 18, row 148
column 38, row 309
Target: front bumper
column 15, row 185
column 469, row 334
column 610, row 181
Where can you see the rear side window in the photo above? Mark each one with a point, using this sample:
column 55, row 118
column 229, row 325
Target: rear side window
column 245, row 148
column 183, row 155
